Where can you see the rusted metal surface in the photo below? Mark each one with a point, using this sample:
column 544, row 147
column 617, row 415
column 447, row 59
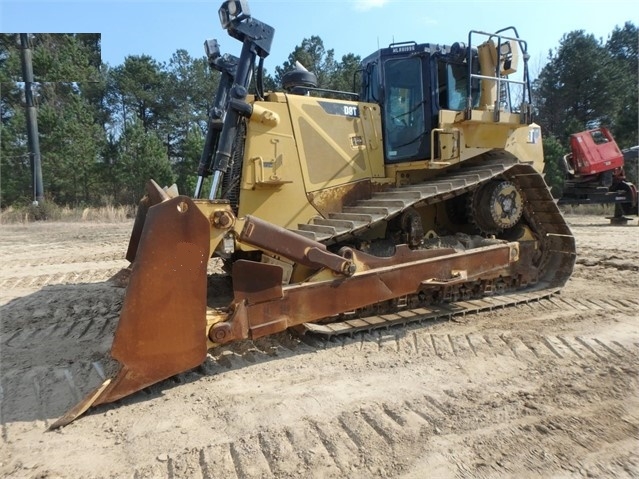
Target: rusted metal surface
column 403, row 254
column 403, row 275
column 229, row 331
column 154, row 195
column 544, row 266
column 281, row 241
column 256, row 282
column 162, row 327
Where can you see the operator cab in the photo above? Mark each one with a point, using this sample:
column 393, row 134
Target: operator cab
column 412, row 82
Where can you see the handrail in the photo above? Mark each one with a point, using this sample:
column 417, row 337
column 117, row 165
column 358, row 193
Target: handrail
column 523, row 45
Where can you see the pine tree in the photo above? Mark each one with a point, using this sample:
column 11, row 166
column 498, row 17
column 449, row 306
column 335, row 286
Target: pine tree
column 140, row 157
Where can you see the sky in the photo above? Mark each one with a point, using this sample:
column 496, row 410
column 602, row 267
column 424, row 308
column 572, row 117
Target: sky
column 160, row 27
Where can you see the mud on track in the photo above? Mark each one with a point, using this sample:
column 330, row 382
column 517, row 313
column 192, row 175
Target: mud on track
column 542, row 389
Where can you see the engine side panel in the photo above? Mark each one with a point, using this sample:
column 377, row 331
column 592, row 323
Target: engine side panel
column 338, row 141
column 272, row 187
column 318, row 146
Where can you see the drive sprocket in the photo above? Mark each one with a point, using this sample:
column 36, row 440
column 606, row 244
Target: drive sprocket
column 495, row 206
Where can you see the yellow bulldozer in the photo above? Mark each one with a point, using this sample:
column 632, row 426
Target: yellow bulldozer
column 420, row 196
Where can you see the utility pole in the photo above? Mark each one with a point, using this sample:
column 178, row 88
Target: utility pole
column 32, row 121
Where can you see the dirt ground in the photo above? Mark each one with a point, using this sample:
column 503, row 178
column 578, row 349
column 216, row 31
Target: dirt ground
column 548, row 389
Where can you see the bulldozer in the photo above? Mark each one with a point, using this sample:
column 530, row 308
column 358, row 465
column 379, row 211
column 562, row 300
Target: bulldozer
column 420, row 196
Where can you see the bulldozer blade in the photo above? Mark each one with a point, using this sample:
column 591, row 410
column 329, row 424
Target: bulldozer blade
column 162, row 327
column 154, row 195
column 80, row 408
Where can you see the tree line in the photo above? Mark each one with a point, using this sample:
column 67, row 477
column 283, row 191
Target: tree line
column 105, row 130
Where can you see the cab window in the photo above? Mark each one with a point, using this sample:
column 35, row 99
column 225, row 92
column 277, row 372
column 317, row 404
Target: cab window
column 452, row 88
column 404, row 112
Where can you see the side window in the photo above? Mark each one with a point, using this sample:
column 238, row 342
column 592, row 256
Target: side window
column 442, row 85
column 452, row 86
column 404, row 107
column 457, row 86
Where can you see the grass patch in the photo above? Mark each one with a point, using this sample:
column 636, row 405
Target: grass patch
column 48, row 211
column 599, row 210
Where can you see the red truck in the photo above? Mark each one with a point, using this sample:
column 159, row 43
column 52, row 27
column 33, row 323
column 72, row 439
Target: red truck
column 595, row 173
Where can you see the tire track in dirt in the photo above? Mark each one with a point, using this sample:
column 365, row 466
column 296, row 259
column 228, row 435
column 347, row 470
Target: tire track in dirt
column 89, row 341
column 67, row 256
column 344, row 445
column 66, row 305
column 341, row 447
column 92, row 305
column 92, row 275
column 542, row 389
column 89, row 313
column 44, row 254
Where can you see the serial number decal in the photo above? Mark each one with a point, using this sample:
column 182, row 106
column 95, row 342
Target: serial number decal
column 341, row 109
column 407, row 48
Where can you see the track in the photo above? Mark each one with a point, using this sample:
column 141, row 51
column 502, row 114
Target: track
column 540, row 212
column 383, row 206
column 447, row 311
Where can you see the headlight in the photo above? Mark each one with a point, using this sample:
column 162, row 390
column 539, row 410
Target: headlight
column 232, row 10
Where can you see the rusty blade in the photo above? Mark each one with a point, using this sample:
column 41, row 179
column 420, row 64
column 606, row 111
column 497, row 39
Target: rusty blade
column 162, row 327
column 81, row 407
column 154, row 195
